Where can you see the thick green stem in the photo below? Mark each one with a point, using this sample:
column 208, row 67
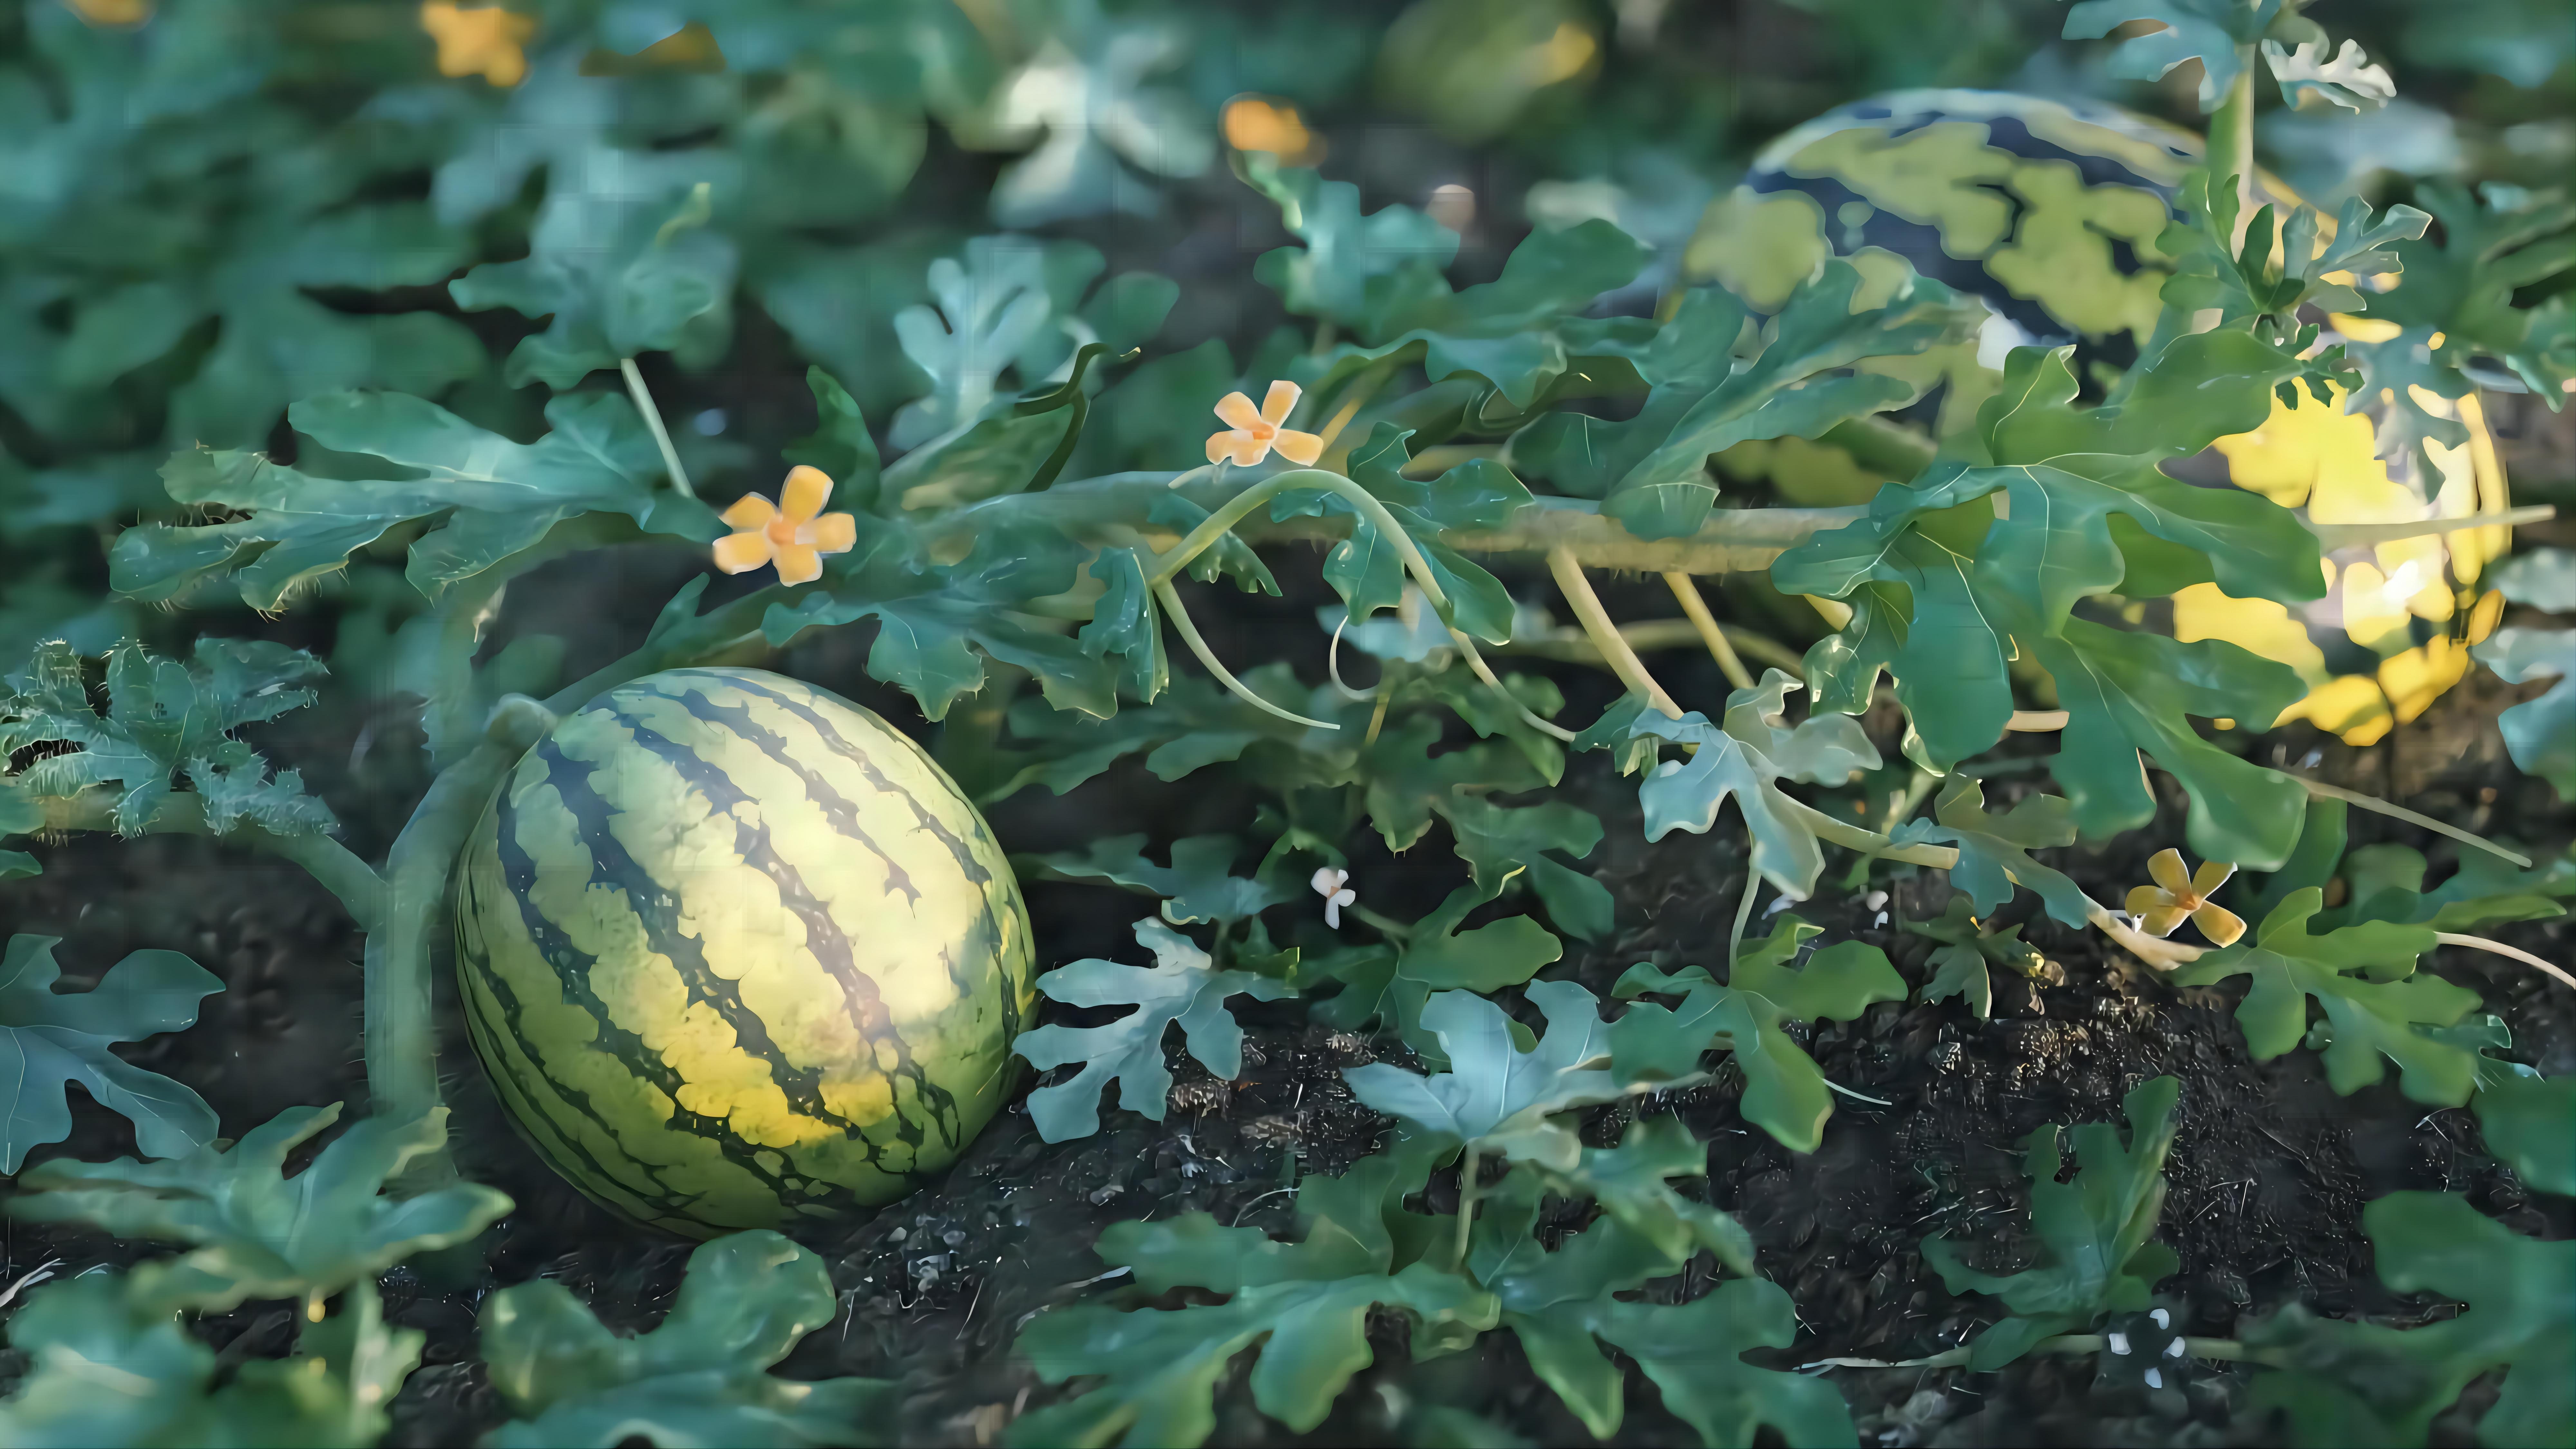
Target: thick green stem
column 359, row 889
column 401, row 1029
column 2231, row 135
column 1605, row 635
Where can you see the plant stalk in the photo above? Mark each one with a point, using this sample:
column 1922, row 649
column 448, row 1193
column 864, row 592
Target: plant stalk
column 1605, row 635
column 653, row 419
column 2231, row 137
column 1469, row 1167
column 401, row 1029
column 1695, row 608
column 360, row 890
column 1189, row 632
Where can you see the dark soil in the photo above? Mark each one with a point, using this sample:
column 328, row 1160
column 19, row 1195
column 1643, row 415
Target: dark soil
column 2269, row 1173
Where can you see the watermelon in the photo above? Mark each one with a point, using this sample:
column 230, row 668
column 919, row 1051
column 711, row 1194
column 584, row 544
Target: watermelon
column 2049, row 213
column 737, row 954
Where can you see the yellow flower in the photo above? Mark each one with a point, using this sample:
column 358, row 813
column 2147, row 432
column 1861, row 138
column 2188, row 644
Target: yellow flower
column 111, row 14
column 1256, row 433
column 794, row 533
column 2177, row 897
column 484, row 41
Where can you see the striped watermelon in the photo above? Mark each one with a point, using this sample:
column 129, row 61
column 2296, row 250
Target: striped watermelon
column 736, row 953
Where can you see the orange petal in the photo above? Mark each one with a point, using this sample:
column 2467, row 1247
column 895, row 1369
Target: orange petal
column 799, row 564
column 1238, row 412
column 740, row 553
column 750, row 511
column 831, row 533
column 2143, row 899
column 2162, row 920
column 1297, row 447
column 2166, row 868
column 2211, row 875
column 1280, row 401
column 1249, row 450
column 1221, row 444
column 808, row 489
column 2221, row 925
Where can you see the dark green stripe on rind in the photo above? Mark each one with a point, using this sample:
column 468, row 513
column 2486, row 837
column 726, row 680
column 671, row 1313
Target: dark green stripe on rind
column 659, row 912
column 1018, row 963
column 823, row 934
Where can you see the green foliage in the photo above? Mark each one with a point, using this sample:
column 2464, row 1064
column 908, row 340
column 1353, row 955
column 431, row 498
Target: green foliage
column 1746, row 760
column 2359, row 1383
column 1784, row 1091
column 1304, row 1304
column 257, row 1233
column 699, row 1379
column 2094, row 1254
column 2461, row 286
column 2538, row 731
column 644, row 282
column 2531, row 1123
column 165, row 722
column 1796, row 387
column 493, row 499
column 2376, row 1004
column 1197, row 886
column 1959, row 967
column 1943, row 598
column 2212, row 32
column 1496, row 1094
column 52, row 1040
column 1181, row 986
column 107, row 1369
column 2273, row 268
column 1994, row 850
column 1394, row 984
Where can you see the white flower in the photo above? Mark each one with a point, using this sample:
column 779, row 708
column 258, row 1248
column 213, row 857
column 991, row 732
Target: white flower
column 1331, row 885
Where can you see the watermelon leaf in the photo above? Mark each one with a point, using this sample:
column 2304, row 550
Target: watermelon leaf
column 1498, row 1095
column 486, row 497
column 1796, row 387
column 2092, row 1232
column 1305, row 1305
column 52, row 1040
column 1182, row 986
column 933, row 617
column 1784, row 1091
column 2539, row 733
column 2065, row 474
column 1994, row 850
column 2213, row 32
column 2376, row 1004
column 1746, row 760
column 164, row 721
column 1629, row 1181
column 2531, row 1123
column 335, row 1389
column 1197, row 885
column 1394, row 985
column 258, row 1233
column 659, row 280
column 2361, row 1383
column 700, row 1377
